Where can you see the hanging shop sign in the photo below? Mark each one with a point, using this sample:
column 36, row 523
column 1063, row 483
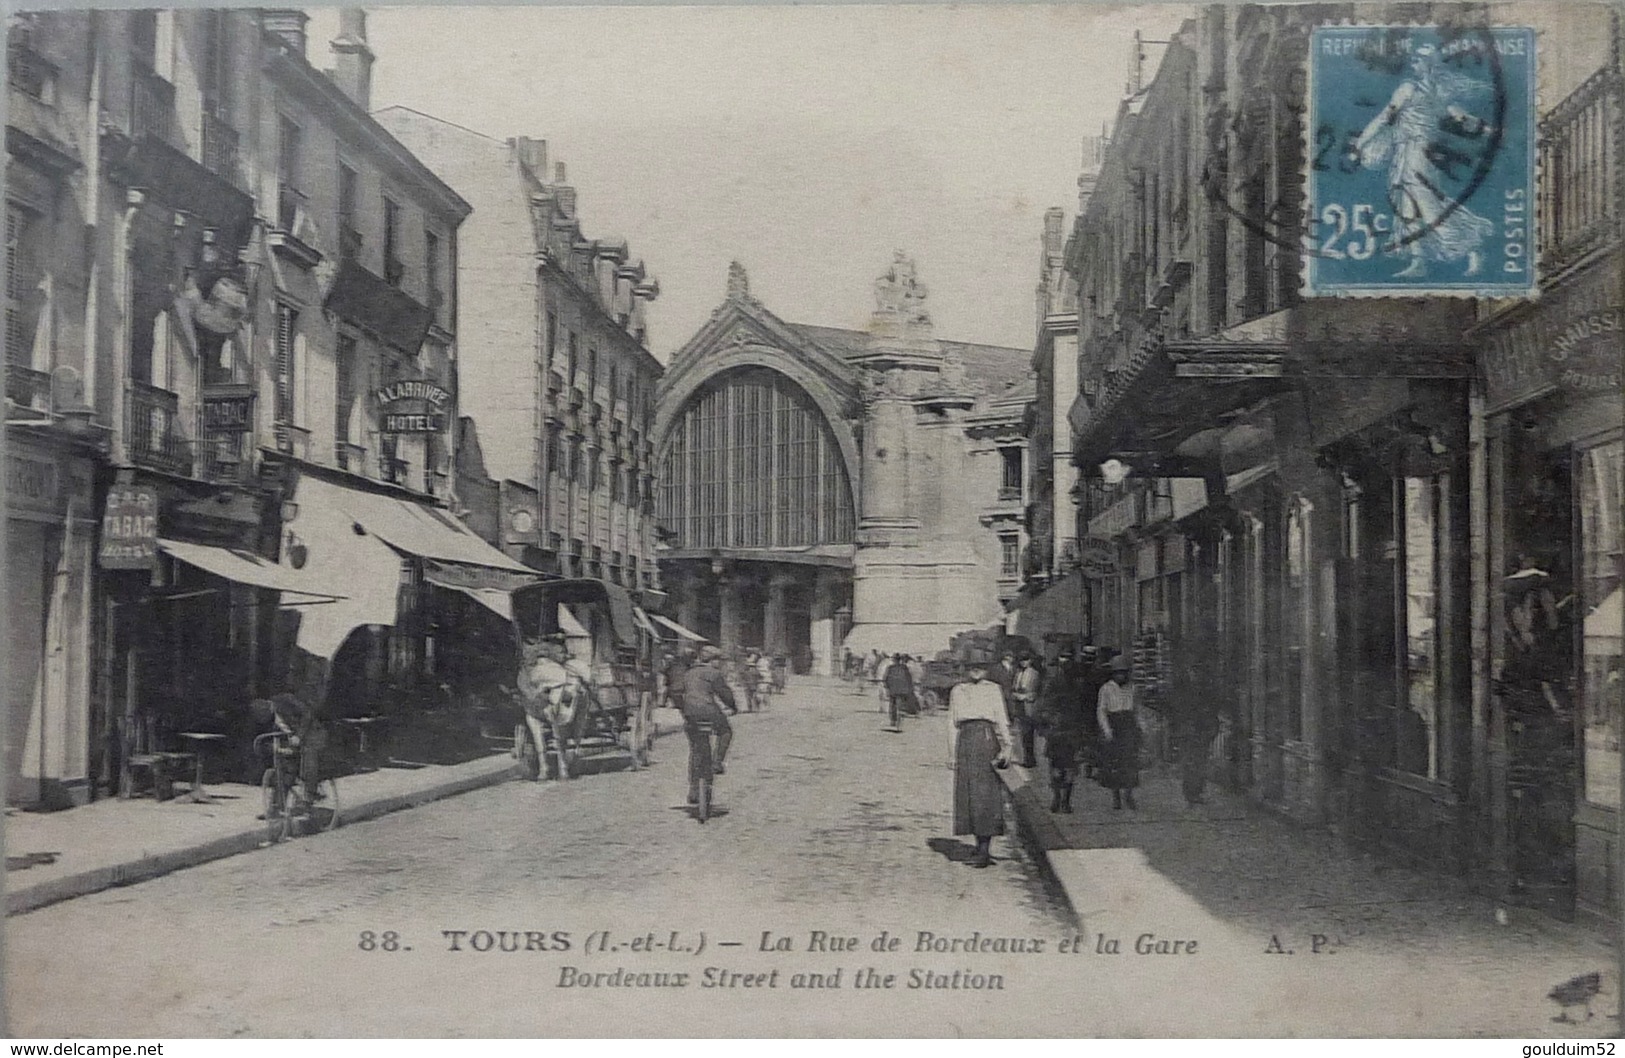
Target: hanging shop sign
column 129, row 528
column 1097, row 558
column 413, row 406
column 228, row 410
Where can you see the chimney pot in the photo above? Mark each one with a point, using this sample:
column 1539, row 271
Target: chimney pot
column 352, row 58
column 287, row 24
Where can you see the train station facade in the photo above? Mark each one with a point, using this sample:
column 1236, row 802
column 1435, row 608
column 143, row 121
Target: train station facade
column 821, row 487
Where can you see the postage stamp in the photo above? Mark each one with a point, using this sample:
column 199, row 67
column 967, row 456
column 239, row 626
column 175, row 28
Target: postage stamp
column 1421, row 162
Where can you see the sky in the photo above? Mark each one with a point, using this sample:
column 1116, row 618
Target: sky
column 808, row 143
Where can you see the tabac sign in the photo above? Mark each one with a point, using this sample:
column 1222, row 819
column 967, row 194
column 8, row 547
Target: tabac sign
column 412, row 406
column 129, row 528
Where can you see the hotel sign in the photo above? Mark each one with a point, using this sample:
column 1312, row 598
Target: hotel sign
column 413, row 406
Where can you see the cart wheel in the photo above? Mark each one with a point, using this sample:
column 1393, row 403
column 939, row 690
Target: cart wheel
column 524, row 750
column 276, row 811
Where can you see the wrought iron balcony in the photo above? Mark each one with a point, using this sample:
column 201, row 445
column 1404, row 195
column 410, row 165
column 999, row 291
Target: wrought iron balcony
column 291, row 439
column 28, row 388
column 350, row 457
column 156, row 439
column 225, row 459
column 393, row 470
column 152, row 106
column 1579, row 163
column 219, row 151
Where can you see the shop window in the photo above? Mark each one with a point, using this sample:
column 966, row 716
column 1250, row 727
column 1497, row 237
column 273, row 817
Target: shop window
column 1417, row 727
column 1602, row 567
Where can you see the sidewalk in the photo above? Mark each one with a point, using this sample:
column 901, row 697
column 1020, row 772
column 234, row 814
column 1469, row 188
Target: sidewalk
column 112, row 842
column 1231, row 872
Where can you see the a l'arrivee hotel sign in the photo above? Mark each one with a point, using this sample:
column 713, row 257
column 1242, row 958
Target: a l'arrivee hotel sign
column 413, row 406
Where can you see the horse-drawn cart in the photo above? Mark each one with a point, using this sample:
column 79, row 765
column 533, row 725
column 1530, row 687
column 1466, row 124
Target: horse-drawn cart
column 605, row 703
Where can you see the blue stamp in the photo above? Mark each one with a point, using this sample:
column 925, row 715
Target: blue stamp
column 1420, row 162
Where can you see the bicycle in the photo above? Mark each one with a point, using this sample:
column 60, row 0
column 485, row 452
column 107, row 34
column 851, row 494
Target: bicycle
column 701, row 767
column 283, row 792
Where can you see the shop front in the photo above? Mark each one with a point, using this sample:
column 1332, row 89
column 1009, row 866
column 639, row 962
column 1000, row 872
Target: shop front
column 50, row 593
column 1556, row 565
column 422, row 639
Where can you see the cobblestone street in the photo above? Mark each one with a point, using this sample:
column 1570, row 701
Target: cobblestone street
column 828, row 824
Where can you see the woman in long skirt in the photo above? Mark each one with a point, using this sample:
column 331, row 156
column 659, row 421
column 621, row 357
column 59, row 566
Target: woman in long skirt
column 979, row 738
column 1119, row 736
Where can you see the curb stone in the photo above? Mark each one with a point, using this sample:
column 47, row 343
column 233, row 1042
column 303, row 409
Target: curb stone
column 33, row 897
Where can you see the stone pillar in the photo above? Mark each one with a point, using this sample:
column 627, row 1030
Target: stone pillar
column 828, row 596
column 887, row 426
column 728, row 617
column 776, row 631
column 686, row 586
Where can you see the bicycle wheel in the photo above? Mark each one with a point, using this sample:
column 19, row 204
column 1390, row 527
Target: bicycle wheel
column 702, row 811
column 275, row 807
column 324, row 814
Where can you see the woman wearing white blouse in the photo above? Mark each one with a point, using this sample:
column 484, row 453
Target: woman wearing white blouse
column 1120, row 735
column 978, row 742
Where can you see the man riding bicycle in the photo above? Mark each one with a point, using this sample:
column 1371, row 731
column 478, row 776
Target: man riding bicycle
column 705, row 696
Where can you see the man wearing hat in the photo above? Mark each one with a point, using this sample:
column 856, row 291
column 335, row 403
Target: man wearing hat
column 705, row 696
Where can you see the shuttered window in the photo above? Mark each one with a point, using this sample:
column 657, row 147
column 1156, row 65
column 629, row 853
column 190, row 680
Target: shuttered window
column 286, row 321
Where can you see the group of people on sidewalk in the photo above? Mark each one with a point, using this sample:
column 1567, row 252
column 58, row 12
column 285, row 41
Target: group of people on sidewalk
column 1087, row 711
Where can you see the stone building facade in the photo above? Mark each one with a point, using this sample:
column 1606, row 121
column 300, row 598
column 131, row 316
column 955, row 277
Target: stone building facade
column 1314, row 523
column 563, row 389
column 826, row 488
column 231, row 314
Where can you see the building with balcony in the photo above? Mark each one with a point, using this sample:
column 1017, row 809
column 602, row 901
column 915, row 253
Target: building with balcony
column 1356, row 549
column 1051, row 606
column 825, row 487
column 563, row 383
column 230, row 294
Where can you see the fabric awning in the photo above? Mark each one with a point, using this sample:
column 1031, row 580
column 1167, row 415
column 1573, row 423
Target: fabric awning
column 644, row 622
column 354, row 540
column 571, row 626
column 245, row 567
column 679, row 629
column 498, row 602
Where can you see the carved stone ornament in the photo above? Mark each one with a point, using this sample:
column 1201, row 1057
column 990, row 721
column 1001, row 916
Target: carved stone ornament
column 900, row 293
column 738, row 282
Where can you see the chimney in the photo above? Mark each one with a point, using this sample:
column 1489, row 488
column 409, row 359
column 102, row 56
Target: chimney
column 562, row 191
column 352, row 59
column 532, row 155
column 288, row 24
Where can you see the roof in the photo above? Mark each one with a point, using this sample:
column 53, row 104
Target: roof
column 994, row 367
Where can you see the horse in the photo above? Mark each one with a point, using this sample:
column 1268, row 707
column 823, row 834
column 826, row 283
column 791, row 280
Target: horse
column 554, row 695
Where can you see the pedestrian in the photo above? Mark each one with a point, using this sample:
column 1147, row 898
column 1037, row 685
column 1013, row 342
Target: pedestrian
column 750, row 680
column 705, row 695
column 781, row 673
column 848, row 662
column 1024, row 690
column 978, row 743
column 1119, row 723
column 1093, row 673
column 899, row 686
column 677, row 666
column 1197, row 719
column 764, row 675
column 877, row 674
column 1063, row 715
